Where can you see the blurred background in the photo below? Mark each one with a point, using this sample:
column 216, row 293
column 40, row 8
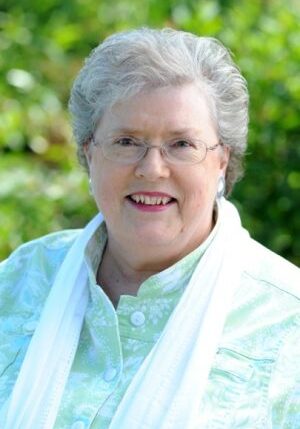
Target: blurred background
column 43, row 44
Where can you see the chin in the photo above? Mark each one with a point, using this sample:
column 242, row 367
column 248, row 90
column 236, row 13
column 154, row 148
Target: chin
column 154, row 237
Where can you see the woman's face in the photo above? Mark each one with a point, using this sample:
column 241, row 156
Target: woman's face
column 121, row 191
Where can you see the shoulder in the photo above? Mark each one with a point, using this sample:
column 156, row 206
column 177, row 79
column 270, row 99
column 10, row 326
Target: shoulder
column 26, row 276
column 53, row 241
column 48, row 245
column 270, row 269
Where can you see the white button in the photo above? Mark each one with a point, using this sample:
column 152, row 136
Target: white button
column 30, row 326
column 109, row 374
column 79, row 424
column 137, row 318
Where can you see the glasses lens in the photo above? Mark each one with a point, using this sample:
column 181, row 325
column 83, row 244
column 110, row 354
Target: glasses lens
column 123, row 150
column 185, row 152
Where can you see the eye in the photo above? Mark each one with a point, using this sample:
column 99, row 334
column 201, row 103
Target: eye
column 182, row 144
column 126, row 142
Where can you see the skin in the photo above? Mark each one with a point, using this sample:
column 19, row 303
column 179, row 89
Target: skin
column 143, row 243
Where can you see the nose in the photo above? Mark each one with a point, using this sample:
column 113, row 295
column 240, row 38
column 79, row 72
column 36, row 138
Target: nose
column 152, row 166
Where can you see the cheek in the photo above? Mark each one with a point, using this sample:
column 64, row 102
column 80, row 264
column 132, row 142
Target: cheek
column 108, row 187
column 104, row 192
column 200, row 190
column 98, row 189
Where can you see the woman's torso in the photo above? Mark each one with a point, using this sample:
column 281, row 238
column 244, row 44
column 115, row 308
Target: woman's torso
column 252, row 382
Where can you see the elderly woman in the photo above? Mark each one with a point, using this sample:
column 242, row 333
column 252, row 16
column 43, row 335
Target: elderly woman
column 163, row 313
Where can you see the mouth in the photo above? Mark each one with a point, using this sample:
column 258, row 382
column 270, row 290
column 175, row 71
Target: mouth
column 151, row 200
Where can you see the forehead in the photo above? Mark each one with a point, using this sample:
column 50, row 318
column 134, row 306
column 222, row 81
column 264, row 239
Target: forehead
column 160, row 110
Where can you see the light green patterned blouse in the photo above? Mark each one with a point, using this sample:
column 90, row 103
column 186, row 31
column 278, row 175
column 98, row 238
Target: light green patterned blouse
column 255, row 379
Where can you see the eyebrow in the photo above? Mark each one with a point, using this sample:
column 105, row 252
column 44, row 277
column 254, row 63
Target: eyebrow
column 177, row 132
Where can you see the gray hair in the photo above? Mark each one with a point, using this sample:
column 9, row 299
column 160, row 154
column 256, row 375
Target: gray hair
column 129, row 62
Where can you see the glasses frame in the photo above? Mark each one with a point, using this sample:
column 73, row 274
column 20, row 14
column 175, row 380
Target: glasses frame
column 162, row 150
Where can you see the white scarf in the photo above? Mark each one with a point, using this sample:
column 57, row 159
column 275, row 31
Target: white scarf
column 167, row 390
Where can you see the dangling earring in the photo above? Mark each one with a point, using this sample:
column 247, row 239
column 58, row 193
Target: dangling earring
column 221, row 187
column 90, row 187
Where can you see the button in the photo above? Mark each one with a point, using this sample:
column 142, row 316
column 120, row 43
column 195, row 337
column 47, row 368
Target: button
column 137, row 318
column 79, row 424
column 109, row 374
column 30, row 326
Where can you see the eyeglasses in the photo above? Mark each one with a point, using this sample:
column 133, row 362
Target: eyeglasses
column 130, row 150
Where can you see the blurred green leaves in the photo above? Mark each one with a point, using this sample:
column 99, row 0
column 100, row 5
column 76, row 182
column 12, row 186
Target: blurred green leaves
column 43, row 45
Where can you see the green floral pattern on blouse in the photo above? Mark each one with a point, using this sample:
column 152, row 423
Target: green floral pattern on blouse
column 255, row 379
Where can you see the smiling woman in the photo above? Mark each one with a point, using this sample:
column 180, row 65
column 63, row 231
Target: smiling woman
column 170, row 230
column 162, row 312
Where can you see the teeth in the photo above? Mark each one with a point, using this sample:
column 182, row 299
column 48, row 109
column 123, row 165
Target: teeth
column 146, row 199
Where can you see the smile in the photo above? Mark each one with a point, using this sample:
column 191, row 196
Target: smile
column 150, row 201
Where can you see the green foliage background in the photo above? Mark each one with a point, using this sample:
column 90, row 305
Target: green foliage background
column 43, row 44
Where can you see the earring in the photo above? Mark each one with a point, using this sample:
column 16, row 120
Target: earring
column 90, row 187
column 221, row 187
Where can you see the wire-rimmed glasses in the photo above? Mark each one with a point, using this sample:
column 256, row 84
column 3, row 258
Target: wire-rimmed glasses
column 130, row 150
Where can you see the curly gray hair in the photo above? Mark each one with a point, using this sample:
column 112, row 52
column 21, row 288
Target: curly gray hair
column 129, row 62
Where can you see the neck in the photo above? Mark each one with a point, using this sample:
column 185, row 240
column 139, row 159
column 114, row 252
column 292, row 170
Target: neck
column 121, row 272
column 116, row 277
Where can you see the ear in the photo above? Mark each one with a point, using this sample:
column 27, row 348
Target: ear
column 87, row 149
column 225, row 156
